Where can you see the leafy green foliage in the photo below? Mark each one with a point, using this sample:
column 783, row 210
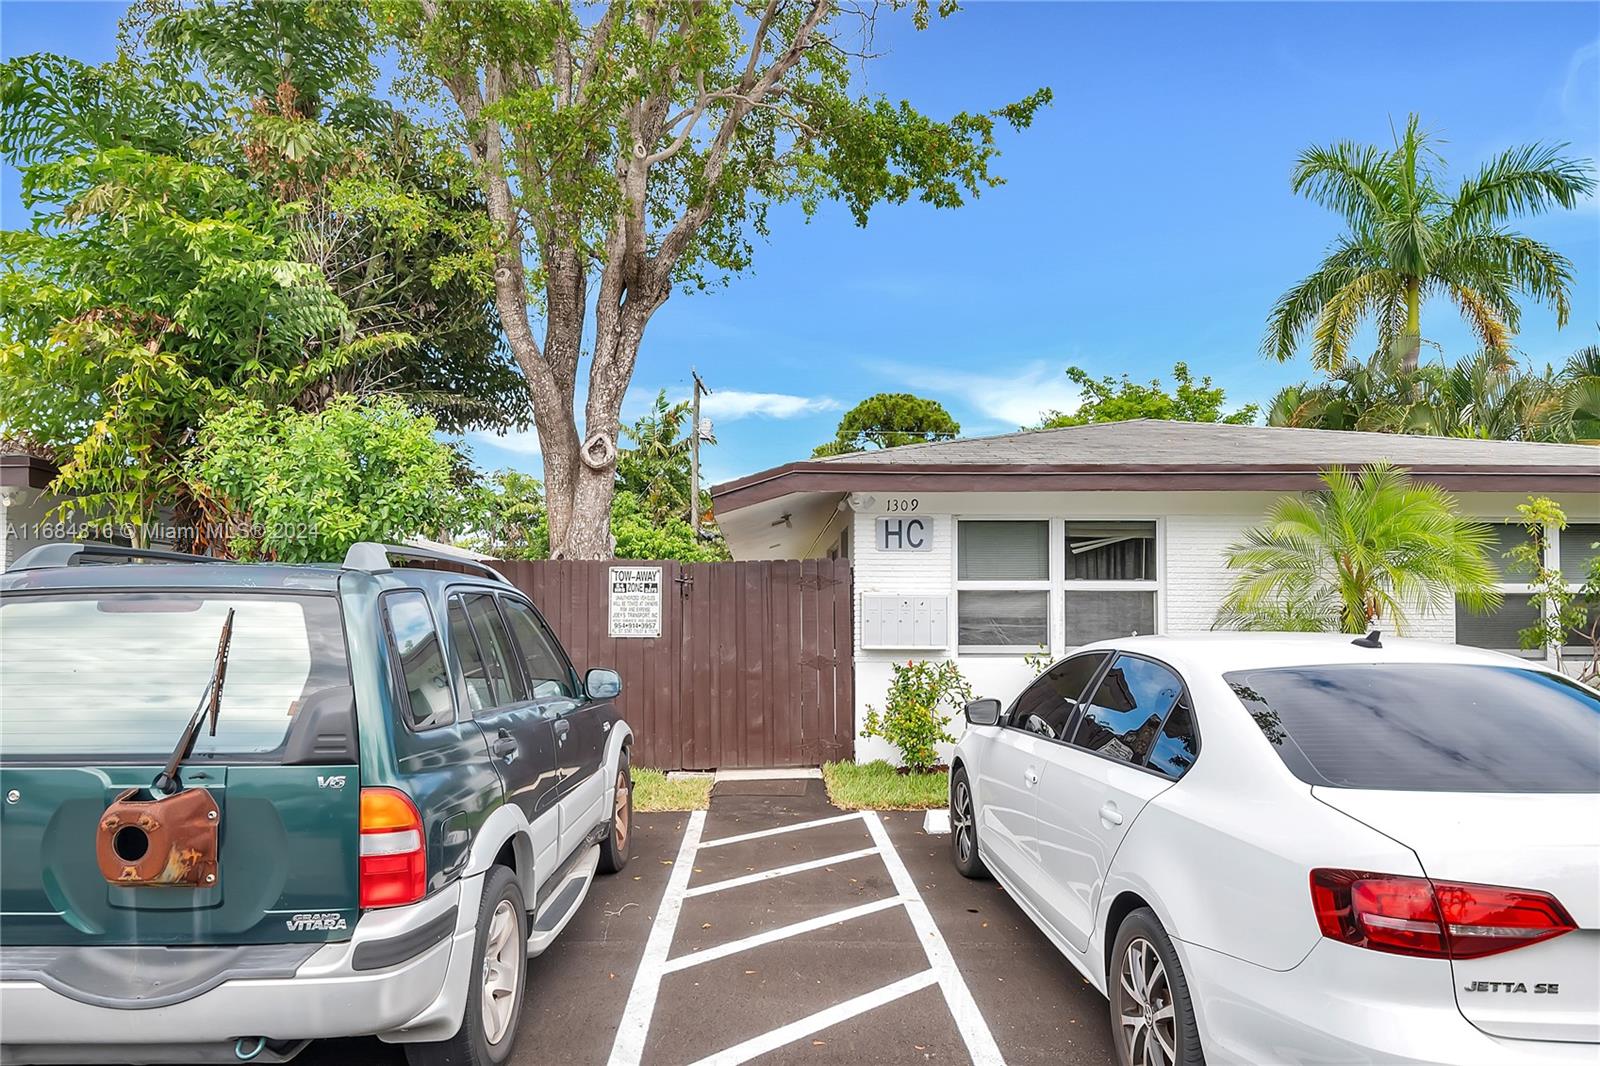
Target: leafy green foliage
column 304, row 487
column 506, row 517
column 914, row 717
column 1111, row 400
column 889, row 420
column 1489, row 396
column 655, row 469
column 1556, row 604
column 640, row 534
column 1370, row 547
column 1409, row 239
column 150, row 292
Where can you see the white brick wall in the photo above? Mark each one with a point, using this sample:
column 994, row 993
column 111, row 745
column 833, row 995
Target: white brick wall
column 1197, row 576
column 1197, row 528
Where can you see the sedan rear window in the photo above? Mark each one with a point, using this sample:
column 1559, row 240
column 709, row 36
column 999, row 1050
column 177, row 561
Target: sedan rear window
column 120, row 673
column 1429, row 727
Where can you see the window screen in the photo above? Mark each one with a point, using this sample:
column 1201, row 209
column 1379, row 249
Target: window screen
column 1127, row 709
column 1002, row 618
column 1578, row 547
column 1428, row 726
column 1003, row 551
column 1111, row 551
column 425, row 695
column 1508, row 535
column 1099, row 615
column 1498, row 628
column 547, row 670
column 1046, row 707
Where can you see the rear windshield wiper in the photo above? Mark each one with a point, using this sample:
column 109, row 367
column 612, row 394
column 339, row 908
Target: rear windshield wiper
column 210, row 706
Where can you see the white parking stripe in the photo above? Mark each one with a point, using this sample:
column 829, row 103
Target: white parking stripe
column 782, row 871
column 969, row 1020
column 795, row 828
column 733, row 947
column 823, row 1019
column 628, row 1048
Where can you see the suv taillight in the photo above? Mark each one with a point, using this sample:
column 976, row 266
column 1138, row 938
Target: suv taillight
column 1432, row 919
column 394, row 868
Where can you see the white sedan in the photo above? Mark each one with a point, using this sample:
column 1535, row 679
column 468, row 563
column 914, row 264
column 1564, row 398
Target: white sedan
column 1273, row 848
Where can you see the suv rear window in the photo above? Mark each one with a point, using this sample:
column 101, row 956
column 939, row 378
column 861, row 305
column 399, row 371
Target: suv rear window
column 120, row 673
column 1428, row 727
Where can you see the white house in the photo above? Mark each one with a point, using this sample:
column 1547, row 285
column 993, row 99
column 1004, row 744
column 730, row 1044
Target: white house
column 987, row 549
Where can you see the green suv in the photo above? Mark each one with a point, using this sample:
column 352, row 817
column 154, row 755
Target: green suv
column 413, row 789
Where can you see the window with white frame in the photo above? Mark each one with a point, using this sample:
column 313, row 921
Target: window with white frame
column 1099, row 578
column 1003, row 584
column 1501, row 628
column 1110, row 584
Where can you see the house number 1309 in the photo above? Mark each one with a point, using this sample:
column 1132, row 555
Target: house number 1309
column 895, row 504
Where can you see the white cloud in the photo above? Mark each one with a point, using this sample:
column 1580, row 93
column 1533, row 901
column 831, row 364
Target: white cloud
column 1012, row 398
column 730, row 405
column 522, row 442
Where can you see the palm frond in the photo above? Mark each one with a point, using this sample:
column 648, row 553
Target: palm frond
column 1346, row 177
column 1298, row 308
column 1524, row 180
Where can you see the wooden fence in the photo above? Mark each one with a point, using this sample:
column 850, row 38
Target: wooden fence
column 753, row 667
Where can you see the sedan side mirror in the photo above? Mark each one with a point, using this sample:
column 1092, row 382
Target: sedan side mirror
column 602, row 684
column 983, row 712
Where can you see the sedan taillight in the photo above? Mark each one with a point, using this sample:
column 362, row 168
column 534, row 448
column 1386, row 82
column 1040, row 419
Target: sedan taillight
column 1432, row 919
column 394, row 865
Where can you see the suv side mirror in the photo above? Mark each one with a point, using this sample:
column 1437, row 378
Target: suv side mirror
column 602, row 684
column 983, row 712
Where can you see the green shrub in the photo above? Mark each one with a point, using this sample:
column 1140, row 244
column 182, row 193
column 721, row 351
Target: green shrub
column 914, row 719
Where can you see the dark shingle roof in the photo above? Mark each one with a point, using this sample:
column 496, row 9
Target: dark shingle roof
column 1147, row 442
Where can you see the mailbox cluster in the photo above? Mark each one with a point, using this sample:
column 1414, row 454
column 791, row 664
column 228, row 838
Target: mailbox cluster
column 904, row 621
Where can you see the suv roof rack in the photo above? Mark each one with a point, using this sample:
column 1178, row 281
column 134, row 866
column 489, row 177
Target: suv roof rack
column 374, row 559
column 51, row 556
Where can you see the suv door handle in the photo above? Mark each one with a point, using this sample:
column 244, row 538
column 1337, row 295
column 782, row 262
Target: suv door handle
column 1109, row 814
column 1031, row 776
column 504, row 746
column 562, row 728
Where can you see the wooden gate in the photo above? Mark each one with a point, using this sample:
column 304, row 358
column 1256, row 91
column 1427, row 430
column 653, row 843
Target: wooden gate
column 753, row 667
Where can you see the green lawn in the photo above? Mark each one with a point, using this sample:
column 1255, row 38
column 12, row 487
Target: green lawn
column 877, row 786
column 655, row 791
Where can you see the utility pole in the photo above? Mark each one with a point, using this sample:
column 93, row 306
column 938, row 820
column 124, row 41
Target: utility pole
column 694, row 451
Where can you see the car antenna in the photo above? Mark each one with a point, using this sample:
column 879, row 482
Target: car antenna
column 1369, row 641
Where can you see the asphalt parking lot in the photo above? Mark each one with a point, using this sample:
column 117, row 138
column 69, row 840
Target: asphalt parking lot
column 852, row 940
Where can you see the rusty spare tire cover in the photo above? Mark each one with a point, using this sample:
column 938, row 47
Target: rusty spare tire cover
column 168, row 840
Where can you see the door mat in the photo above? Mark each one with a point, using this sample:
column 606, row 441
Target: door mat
column 785, row 787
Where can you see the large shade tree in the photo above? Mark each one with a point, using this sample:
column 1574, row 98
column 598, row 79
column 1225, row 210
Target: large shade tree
column 630, row 148
column 890, row 420
column 1409, row 238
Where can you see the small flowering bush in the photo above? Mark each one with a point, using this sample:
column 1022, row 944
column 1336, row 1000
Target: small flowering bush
column 914, row 717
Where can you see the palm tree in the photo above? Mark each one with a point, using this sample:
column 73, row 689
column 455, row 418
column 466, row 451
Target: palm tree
column 1368, row 547
column 1580, row 383
column 1408, row 240
column 1488, row 395
column 656, row 467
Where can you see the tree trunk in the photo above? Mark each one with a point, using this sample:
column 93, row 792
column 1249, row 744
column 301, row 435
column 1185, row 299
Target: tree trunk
column 1409, row 343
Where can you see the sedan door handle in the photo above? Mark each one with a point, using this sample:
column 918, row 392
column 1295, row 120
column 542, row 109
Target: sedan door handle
column 1031, row 776
column 504, row 746
column 1110, row 815
column 562, row 728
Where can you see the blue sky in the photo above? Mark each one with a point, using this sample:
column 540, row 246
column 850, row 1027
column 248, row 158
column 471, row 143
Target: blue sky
column 1146, row 217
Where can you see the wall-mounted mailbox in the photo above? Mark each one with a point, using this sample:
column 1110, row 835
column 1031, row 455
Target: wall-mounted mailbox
column 904, row 621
